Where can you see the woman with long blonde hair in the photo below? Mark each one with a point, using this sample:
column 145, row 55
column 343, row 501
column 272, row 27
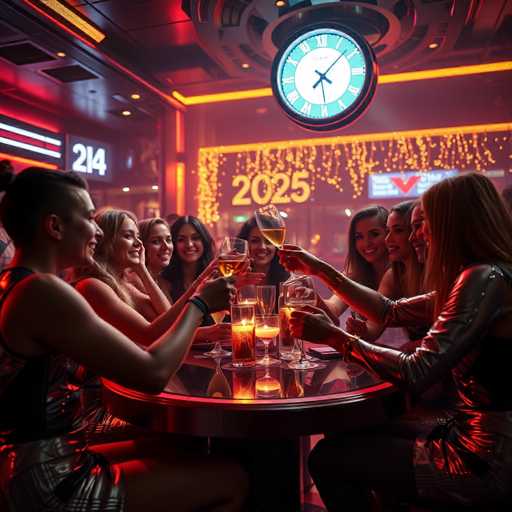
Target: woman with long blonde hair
column 467, row 461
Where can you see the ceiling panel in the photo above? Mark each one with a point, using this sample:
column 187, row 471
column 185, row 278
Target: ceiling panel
column 130, row 15
column 174, row 34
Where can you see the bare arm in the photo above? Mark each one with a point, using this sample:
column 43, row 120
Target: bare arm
column 65, row 323
column 154, row 296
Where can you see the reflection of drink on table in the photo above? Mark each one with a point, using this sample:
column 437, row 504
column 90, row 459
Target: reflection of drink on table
column 230, row 265
column 243, row 384
column 275, row 236
column 286, row 341
column 243, row 344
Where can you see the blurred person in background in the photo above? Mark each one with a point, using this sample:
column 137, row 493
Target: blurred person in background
column 6, row 245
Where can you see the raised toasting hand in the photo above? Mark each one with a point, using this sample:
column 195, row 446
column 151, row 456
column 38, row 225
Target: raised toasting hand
column 296, row 259
column 217, row 293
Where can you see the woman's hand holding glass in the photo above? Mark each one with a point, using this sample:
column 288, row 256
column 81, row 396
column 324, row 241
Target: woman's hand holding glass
column 295, row 259
column 218, row 294
column 312, row 324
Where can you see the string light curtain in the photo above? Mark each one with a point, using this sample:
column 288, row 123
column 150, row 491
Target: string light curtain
column 345, row 162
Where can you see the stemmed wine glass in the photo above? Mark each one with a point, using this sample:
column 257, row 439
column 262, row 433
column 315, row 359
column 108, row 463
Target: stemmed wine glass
column 266, row 299
column 232, row 256
column 298, row 293
column 217, row 351
column 272, row 227
column 271, row 224
column 267, row 330
column 218, row 387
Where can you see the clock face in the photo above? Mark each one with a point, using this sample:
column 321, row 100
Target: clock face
column 324, row 77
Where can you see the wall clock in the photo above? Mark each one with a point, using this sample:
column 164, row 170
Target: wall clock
column 324, row 76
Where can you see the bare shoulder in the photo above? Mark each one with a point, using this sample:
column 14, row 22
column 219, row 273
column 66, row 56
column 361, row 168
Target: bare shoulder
column 95, row 290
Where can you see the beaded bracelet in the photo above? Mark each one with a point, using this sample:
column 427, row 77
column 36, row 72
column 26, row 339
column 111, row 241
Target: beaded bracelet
column 200, row 304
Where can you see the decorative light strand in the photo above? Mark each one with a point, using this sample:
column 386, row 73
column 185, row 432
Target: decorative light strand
column 332, row 160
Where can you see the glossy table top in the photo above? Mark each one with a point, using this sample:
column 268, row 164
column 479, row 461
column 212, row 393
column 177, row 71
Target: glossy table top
column 209, row 397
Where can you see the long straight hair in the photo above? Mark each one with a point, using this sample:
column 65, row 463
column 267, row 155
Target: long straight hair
column 469, row 224
column 355, row 265
column 174, row 272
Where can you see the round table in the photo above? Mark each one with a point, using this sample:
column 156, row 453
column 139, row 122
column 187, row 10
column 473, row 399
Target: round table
column 210, row 399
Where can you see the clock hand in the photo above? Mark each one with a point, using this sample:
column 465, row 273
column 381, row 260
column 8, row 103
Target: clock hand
column 322, row 77
column 320, row 80
column 330, row 67
column 323, row 90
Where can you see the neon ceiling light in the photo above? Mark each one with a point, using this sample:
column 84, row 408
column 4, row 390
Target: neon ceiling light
column 32, row 135
column 409, row 76
column 364, row 137
column 74, row 19
column 30, row 147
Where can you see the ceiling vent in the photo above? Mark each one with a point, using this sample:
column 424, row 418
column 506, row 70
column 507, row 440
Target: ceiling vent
column 24, row 53
column 9, row 34
column 69, row 74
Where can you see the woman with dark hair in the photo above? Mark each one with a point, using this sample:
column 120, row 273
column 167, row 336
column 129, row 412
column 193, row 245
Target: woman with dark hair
column 367, row 258
column 47, row 330
column 193, row 251
column 468, row 460
column 264, row 257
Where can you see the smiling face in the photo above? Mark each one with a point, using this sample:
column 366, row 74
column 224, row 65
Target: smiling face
column 261, row 251
column 127, row 245
column 397, row 239
column 417, row 237
column 369, row 235
column 189, row 244
column 83, row 232
column 159, row 248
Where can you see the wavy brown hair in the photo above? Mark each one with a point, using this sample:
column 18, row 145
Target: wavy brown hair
column 469, row 224
column 110, row 221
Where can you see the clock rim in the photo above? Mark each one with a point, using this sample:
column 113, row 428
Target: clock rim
column 355, row 109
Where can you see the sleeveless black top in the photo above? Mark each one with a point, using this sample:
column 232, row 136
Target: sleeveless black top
column 39, row 396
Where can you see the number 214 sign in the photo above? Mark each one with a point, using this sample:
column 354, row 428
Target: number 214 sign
column 278, row 188
column 90, row 157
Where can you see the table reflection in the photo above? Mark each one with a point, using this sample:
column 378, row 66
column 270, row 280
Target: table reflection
column 208, row 378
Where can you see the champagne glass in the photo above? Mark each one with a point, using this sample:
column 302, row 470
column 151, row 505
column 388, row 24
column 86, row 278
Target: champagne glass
column 247, row 295
column 232, row 256
column 266, row 297
column 271, row 224
column 217, row 351
column 267, row 330
column 298, row 293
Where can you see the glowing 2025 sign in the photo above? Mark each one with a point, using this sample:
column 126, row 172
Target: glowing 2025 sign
column 279, row 188
column 404, row 184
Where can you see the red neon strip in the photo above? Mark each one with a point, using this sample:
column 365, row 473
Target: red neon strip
column 28, row 161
